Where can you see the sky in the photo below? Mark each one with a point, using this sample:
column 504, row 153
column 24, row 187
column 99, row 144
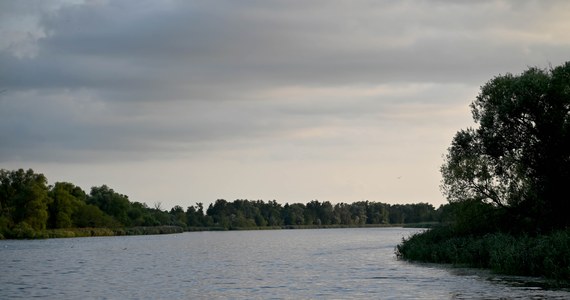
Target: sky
column 179, row 102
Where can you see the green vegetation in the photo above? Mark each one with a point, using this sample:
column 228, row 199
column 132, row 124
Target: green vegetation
column 242, row 214
column 541, row 255
column 30, row 208
column 508, row 181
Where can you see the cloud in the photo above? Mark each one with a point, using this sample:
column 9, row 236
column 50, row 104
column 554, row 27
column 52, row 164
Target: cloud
column 192, row 47
column 80, row 126
column 303, row 83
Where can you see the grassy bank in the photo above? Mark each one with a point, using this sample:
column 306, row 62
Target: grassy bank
column 26, row 232
column 540, row 255
column 331, row 226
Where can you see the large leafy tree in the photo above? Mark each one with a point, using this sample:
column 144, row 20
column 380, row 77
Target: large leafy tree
column 518, row 158
column 111, row 203
column 66, row 199
column 23, row 198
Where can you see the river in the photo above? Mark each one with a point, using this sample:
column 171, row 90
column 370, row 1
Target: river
column 354, row 263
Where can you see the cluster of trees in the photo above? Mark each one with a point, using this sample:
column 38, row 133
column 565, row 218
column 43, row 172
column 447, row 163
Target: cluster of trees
column 518, row 159
column 244, row 213
column 508, row 181
column 28, row 202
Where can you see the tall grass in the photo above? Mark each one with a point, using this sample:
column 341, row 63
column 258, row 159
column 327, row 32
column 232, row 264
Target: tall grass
column 540, row 255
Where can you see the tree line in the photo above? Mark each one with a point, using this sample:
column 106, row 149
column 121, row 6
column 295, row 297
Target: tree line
column 28, row 203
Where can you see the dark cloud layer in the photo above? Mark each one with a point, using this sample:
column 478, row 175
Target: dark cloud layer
column 135, row 45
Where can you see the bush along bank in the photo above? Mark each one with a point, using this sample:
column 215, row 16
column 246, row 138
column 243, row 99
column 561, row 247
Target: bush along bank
column 546, row 255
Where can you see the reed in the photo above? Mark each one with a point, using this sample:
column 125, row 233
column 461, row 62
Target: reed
column 546, row 255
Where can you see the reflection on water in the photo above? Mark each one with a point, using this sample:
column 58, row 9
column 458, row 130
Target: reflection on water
column 325, row 263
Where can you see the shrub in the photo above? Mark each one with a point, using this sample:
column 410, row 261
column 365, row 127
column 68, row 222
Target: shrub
column 540, row 255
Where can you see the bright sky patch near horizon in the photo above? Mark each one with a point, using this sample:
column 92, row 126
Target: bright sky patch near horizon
column 182, row 102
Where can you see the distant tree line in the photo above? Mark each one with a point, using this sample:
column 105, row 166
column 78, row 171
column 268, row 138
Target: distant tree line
column 245, row 213
column 28, row 203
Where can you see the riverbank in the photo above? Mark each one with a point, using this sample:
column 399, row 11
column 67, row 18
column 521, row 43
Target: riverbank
column 332, row 226
column 23, row 232
column 28, row 233
column 546, row 255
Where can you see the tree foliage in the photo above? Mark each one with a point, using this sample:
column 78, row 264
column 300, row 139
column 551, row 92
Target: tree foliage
column 518, row 158
column 110, row 202
column 66, row 201
column 23, row 198
column 245, row 213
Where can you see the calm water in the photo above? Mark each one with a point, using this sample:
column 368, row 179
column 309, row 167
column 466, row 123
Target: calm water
column 291, row 264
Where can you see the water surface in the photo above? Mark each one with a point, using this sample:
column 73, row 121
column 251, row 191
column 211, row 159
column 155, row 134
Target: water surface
column 278, row 264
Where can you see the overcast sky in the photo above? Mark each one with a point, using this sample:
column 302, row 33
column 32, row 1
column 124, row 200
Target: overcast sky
column 181, row 102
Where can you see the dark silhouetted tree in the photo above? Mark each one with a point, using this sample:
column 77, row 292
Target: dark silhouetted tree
column 518, row 158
